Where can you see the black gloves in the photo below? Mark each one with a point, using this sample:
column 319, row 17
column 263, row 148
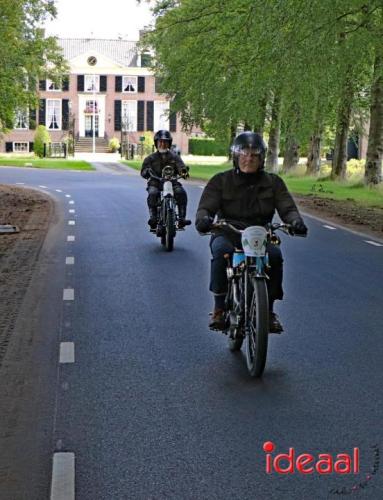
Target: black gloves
column 299, row 227
column 145, row 173
column 203, row 225
column 185, row 172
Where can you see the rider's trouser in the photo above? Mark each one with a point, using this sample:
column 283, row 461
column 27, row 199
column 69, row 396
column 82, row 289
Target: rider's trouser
column 221, row 245
column 154, row 194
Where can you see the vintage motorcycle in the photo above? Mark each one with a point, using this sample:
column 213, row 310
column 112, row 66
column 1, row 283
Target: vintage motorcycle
column 167, row 210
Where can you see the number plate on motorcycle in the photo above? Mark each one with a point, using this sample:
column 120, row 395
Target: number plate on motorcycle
column 254, row 240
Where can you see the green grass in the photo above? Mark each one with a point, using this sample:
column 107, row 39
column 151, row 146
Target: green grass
column 298, row 184
column 46, row 163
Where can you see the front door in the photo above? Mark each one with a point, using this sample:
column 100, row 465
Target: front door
column 89, row 125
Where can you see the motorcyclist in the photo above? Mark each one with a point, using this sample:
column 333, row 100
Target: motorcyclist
column 245, row 195
column 156, row 162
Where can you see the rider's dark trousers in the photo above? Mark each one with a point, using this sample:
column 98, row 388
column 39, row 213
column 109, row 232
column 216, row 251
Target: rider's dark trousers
column 220, row 245
column 154, row 194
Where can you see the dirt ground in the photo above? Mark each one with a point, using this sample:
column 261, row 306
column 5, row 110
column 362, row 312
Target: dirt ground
column 31, row 211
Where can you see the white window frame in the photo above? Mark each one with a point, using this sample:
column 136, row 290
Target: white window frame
column 24, row 118
column 59, row 113
column 54, row 89
column 15, row 150
column 89, row 80
column 89, row 103
column 129, row 80
column 161, row 119
column 130, row 107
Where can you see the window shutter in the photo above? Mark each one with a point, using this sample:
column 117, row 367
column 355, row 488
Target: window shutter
column 80, row 83
column 32, row 119
column 31, row 146
column 140, row 116
column 149, row 115
column 172, row 120
column 8, row 147
column 65, row 114
column 118, row 84
column 42, row 112
column 43, row 85
column 103, row 84
column 66, row 83
column 117, row 115
column 141, row 84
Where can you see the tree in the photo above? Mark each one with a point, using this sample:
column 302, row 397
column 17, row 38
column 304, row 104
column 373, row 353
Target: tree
column 25, row 55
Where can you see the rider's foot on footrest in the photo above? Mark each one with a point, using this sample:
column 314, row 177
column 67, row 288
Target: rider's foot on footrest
column 275, row 326
column 152, row 223
column 183, row 222
column 217, row 321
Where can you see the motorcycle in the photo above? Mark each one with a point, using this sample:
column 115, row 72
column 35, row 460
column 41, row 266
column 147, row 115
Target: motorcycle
column 167, row 209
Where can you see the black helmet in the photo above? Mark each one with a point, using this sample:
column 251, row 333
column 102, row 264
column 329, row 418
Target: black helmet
column 165, row 135
column 248, row 140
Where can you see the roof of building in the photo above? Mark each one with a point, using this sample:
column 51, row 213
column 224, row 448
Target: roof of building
column 121, row 51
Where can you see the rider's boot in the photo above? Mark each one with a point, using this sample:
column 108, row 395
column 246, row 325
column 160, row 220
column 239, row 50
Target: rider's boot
column 275, row 326
column 152, row 218
column 182, row 221
column 217, row 321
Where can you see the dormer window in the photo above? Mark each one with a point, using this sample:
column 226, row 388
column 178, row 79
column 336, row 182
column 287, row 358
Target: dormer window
column 92, row 83
column 129, row 84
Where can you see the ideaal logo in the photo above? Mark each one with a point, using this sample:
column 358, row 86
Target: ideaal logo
column 324, row 463
column 305, row 463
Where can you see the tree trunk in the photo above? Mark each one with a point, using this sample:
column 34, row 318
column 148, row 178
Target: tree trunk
column 339, row 162
column 291, row 157
column 373, row 172
column 274, row 136
column 259, row 124
column 313, row 158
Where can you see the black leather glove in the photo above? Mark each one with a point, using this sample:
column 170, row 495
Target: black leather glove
column 299, row 227
column 145, row 173
column 185, row 172
column 203, row 225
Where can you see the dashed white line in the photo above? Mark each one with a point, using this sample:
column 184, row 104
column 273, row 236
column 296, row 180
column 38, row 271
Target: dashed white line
column 329, row 227
column 72, row 211
column 373, row 243
column 67, row 352
column 68, row 294
column 44, row 187
column 69, row 260
column 70, row 238
column 58, row 190
column 68, row 196
column 202, row 187
column 71, row 202
column 63, row 476
column 71, row 222
column 21, row 183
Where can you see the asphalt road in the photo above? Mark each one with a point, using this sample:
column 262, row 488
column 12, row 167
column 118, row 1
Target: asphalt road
column 142, row 401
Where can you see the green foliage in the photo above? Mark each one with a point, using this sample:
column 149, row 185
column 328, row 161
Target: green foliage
column 114, row 144
column 148, row 143
column 41, row 137
column 26, row 56
column 206, row 147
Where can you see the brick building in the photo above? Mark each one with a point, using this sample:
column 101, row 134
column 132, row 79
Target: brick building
column 109, row 91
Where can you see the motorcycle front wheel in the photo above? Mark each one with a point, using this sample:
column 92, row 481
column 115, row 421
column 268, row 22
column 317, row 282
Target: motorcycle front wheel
column 170, row 229
column 257, row 329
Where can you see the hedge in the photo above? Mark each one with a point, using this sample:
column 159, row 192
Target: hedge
column 206, row 147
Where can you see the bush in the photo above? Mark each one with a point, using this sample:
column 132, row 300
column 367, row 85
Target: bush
column 207, row 147
column 41, row 137
column 114, row 144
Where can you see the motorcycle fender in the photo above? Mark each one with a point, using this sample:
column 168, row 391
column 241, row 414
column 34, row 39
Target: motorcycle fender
column 168, row 188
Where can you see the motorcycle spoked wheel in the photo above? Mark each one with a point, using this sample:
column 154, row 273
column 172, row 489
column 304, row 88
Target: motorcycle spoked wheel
column 170, row 229
column 235, row 337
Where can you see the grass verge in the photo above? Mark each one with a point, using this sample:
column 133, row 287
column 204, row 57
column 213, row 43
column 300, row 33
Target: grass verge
column 46, row 163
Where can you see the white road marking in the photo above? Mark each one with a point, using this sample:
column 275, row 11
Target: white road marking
column 68, row 196
column 71, row 222
column 72, row 211
column 202, row 187
column 58, row 190
column 70, row 238
column 329, row 227
column 21, row 183
column 71, row 202
column 373, row 243
column 44, row 187
column 68, row 294
column 63, row 475
column 69, row 260
column 67, row 352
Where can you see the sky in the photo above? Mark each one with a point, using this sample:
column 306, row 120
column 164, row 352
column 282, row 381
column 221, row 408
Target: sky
column 96, row 19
